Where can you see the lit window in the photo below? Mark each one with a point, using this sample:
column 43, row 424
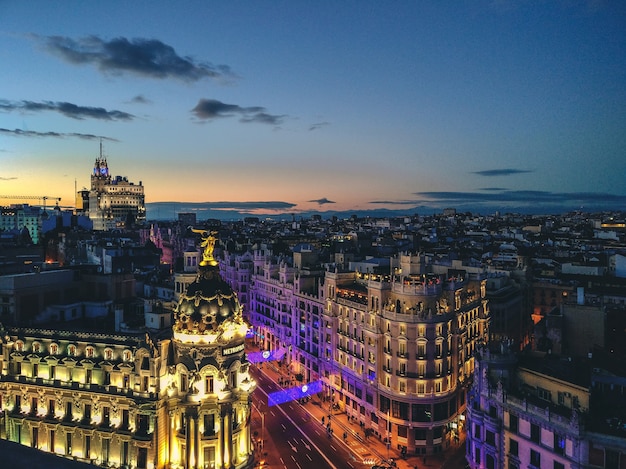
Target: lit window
column 54, row 349
column 71, row 350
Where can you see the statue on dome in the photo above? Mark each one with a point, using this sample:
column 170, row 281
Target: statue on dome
column 208, row 243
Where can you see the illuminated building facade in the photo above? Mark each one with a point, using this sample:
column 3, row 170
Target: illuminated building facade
column 395, row 351
column 112, row 201
column 178, row 398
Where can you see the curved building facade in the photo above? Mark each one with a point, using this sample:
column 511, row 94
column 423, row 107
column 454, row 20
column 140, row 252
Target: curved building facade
column 176, row 399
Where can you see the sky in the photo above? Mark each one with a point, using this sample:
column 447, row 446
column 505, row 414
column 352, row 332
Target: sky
column 292, row 106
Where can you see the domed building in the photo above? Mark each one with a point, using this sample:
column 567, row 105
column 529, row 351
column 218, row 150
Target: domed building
column 177, row 398
column 208, row 385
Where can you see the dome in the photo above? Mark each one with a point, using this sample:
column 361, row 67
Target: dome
column 209, row 309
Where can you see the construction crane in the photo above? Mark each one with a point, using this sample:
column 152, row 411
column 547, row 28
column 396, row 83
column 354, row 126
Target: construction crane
column 41, row 198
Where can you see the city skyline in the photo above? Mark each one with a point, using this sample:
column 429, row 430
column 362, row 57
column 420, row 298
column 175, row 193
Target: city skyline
column 288, row 107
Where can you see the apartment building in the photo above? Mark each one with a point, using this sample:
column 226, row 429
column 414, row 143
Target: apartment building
column 395, row 350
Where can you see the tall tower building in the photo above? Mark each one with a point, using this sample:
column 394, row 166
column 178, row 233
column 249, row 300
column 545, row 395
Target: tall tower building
column 113, row 201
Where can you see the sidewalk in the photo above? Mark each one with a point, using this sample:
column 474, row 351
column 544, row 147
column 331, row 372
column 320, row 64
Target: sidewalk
column 366, row 450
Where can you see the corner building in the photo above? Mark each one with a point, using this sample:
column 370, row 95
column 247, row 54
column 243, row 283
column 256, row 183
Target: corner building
column 176, row 399
column 395, row 351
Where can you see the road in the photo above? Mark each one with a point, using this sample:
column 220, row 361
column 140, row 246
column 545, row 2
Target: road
column 293, row 439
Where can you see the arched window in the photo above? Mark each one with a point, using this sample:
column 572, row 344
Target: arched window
column 108, row 354
column 90, row 351
column 19, row 346
column 71, row 350
column 54, row 349
column 127, row 355
column 36, row 347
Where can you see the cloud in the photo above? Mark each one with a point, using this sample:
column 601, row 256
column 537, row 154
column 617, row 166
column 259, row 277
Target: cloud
column 140, row 99
column 10, row 178
column 256, row 205
column 209, row 109
column 67, row 109
column 523, row 197
column 520, row 201
column 144, row 57
column 501, row 172
column 33, row 133
column 318, row 125
column 323, row 201
column 492, row 189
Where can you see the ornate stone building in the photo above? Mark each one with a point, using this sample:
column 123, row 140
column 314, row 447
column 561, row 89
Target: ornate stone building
column 395, row 350
column 179, row 398
column 111, row 201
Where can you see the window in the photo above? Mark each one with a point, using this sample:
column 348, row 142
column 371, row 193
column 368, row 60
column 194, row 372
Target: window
column 558, row 465
column 559, row 444
column 209, row 385
column 535, row 458
column 54, row 349
column 106, row 416
column 544, row 394
column 89, row 352
column 513, row 447
column 513, row 423
column 476, row 431
column 108, row 354
column 71, row 350
column 490, row 438
column 535, row 433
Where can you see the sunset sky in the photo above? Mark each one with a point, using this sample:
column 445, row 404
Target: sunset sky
column 326, row 105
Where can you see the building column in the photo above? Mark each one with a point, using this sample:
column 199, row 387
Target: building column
column 222, row 439
column 229, row 439
column 170, row 436
column 196, row 443
column 187, row 442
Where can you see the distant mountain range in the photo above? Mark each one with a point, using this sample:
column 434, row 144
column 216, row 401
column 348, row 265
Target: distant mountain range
column 168, row 211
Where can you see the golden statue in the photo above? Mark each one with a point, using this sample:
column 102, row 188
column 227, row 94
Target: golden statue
column 208, row 243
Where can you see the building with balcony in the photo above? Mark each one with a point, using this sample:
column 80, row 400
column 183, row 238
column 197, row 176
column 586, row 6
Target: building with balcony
column 543, row 411
column 176, row 397
column 395, row 350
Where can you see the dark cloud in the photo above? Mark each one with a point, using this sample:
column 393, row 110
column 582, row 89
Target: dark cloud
column 501, row 172
column 209, row 109
column 10, row 178
column 139, row 56
column 266, row 205
column 323, row 201
column 502, row 199
column 393, row 202
column 67, row 109
column 318, row 125
column 524, row 197
column 140, row 99
column 33, row 133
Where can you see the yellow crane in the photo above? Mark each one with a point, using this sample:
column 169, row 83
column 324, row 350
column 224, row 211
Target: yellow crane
column 41, row 198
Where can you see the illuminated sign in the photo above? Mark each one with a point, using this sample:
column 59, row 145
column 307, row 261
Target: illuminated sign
column 231, row 350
